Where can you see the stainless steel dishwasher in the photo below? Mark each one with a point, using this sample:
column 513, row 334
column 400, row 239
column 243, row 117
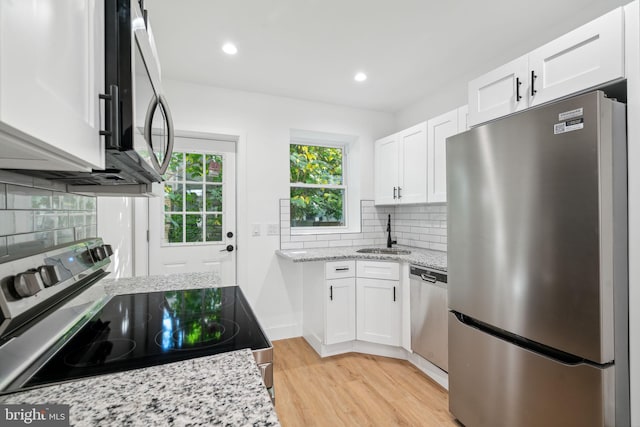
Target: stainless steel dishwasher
column 429, row 315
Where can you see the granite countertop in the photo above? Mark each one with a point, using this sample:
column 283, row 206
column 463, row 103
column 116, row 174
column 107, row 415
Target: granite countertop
column 422, row 257
column 224, row 389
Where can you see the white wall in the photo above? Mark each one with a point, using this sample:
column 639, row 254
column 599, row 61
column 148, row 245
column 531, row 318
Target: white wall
column 271, row 284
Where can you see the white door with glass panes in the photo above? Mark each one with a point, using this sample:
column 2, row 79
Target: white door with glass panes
column 192, row 223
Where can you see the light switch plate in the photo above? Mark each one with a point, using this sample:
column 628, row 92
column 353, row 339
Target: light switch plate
column 273, row 230
column 256, row 230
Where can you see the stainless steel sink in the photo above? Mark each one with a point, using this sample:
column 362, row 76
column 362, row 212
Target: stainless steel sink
column 386, row 251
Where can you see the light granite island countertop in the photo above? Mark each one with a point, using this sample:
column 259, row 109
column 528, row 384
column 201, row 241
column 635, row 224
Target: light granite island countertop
column 422, row 257
column 223, row 389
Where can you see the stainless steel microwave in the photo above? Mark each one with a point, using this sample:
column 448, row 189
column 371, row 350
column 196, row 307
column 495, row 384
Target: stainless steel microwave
column 139, row 127
column 140, row 138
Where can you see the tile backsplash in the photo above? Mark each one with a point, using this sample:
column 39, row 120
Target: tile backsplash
column 422, row 226
column 36, row 214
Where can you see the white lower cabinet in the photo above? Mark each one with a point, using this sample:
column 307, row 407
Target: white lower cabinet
column 378, row 311
column 329, row 302
column 379, row 305
column 340, row 312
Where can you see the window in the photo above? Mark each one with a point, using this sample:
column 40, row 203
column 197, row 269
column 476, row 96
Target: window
column 318, row 189
column 193, row 198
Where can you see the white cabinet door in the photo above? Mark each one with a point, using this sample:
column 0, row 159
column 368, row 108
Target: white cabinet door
column 378, row 311
column 499, row 92
column 588, row 56
column 412, row 185
column 340, row 315
column 438, row 130
column 386, row 170
column 51, row 72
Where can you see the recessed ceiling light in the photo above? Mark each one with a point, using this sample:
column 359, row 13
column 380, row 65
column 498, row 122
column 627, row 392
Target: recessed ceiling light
column 360, row 77
column 230, row 49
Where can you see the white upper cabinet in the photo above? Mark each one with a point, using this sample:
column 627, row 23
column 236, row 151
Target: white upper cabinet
column 499, row 92
column 588, row 56
column 412, row 183
column 438, row 130
column 400, row 167
column 51, row 73
column 386, row 170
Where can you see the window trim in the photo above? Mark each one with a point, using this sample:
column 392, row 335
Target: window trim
column 344, row 187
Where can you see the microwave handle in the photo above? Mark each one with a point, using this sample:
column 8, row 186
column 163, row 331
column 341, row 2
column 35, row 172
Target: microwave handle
column 160, row 99
column 170, row 134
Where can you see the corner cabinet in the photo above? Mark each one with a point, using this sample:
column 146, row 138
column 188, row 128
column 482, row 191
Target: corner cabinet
column 51, row 74
column 400, row 172
column 586, row 57
column 379, row 302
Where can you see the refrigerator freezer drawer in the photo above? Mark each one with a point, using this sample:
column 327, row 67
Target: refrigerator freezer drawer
column 494, row 383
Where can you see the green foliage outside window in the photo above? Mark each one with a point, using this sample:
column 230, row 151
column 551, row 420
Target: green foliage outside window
column 193, row 198
column 317, row 185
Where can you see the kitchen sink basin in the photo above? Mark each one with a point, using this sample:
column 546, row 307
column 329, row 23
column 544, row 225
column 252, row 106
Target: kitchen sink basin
column 386, row 251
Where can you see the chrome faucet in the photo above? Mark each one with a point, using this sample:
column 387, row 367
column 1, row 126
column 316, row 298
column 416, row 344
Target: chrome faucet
column 389, row 241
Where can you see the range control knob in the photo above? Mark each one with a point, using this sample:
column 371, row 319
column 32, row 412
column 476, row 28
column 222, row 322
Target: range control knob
column 50, row 275
column 108, row 249
column 28, row 283
column 98, row 253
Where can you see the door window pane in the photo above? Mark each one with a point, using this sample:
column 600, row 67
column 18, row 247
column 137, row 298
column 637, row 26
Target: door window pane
column 214, row 198
column 193, row 228
column 214, row 228
column 193, row 168
column 193, row 198
column 173, row 197
column 214, row 168
column 173, row 228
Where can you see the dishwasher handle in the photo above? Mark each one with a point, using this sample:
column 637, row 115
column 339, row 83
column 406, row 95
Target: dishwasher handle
column 428, row 278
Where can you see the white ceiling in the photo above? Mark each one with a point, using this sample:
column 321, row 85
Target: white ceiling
column 311, row 49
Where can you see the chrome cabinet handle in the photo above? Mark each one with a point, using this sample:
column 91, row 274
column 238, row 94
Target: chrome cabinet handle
column 113, row 133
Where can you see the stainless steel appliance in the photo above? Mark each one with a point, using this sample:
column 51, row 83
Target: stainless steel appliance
column 428, row 290
column 139, row 127
column 537, row 265
column 46, row 339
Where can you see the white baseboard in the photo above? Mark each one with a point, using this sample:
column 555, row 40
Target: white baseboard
column 429, row 369
column 281, row 332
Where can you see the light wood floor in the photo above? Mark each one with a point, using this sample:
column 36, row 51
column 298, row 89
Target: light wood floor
column 353, row 390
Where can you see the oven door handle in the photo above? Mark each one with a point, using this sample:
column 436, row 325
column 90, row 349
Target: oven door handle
column 153, row 105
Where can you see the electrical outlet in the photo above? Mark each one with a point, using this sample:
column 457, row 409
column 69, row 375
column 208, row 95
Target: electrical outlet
column 273, row 230
column 255, row 230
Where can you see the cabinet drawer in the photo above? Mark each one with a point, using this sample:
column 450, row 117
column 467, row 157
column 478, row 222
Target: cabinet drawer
column 339, row 269
column 379, row 270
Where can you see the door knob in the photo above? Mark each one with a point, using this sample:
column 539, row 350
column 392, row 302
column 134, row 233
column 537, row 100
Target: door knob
column 229, row 248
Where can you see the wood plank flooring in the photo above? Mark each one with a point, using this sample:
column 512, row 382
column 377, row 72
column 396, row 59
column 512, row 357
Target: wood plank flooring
column 353, row 390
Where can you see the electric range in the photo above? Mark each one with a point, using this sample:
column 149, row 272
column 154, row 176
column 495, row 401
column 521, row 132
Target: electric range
column 42, row 342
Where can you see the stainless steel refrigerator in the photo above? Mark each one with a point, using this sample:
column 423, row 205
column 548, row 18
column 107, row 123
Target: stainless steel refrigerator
column 537, row 266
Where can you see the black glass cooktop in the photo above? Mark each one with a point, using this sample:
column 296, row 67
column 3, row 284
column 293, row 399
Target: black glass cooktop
column 140, row 330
